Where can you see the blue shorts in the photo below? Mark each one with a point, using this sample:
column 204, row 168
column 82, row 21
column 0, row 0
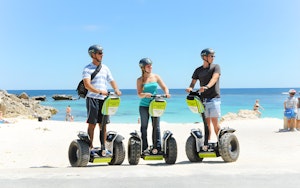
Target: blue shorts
column 94, row 107
column 289, row 113
column 212, row 107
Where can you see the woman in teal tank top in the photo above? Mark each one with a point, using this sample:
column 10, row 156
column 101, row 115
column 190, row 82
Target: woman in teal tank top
column 147, row 85
column 148, row 88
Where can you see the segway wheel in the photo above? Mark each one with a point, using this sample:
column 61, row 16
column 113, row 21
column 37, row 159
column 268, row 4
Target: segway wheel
column 171, row 151
column 118, row 154
column 79, row 153
column 191, row 150
column 134, row 151
column 229, row 147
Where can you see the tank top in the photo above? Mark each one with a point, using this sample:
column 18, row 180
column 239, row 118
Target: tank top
column 150, row 87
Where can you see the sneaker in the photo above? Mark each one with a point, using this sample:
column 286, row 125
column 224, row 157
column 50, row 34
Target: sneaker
column 205, row 148
column 146, row 152
column 154, row 151
column 106, row 153
column 94, row 154
column 294, row 130
column 160, row 152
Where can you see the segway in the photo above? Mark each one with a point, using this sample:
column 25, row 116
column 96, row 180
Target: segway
column 197, row 146
column 169, row 146
column 79, row 151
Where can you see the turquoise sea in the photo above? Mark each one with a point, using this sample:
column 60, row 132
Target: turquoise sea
column 232, row 100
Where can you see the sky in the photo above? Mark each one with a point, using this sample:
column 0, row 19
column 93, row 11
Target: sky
column 44, row 43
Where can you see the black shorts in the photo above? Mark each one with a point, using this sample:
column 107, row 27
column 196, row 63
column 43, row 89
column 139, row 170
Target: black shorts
column 94, row 107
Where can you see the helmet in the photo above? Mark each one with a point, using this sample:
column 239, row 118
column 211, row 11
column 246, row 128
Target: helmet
column 145, row 61
column 292, row 91
column 207, row 51
column 94, row 49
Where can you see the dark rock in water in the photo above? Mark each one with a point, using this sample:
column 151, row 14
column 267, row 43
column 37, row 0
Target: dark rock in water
column 39, row 98
column 62, row 97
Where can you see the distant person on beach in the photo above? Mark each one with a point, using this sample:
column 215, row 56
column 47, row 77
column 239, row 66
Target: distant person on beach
column 298, row 115
column 209, row 75
column 69, row 116
column 146, row 86
column 257, row 107
column 290, row 110
column 97, row 91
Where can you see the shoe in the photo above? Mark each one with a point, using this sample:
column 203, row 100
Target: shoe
column 108, row 153
column 160, row 152
column 204, row 148
column 154, row 151
column 294, row 130
column 94, row 154
column 146, row 152
column 105, row 153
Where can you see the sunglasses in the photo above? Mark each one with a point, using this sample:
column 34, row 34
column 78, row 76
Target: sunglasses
column 99, row 53
column 212, row 56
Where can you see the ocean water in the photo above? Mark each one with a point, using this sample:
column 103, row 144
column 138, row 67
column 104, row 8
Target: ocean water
column 232, row 100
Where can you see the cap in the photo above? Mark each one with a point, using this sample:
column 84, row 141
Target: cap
column 292, row 91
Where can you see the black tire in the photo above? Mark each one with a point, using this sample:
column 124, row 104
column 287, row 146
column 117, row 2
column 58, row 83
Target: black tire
column 118, row 154
column 134, row 151
column 79, row 153
column 229, row 147
column 191, row 150
column 171, row 151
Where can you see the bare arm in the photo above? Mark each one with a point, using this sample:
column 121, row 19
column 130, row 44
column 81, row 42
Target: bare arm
column 115, row 87
column 192, row 85
column 90, row 87
column 213, row 80
column 163, row 86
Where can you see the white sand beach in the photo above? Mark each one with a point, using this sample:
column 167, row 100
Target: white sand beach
column 35, row 154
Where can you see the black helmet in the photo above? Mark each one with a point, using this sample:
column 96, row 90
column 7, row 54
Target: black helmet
column 94, row 49
column 145, row 61
column 207, row 51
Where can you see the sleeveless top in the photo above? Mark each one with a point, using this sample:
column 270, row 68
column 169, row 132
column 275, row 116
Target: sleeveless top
column 148, row 88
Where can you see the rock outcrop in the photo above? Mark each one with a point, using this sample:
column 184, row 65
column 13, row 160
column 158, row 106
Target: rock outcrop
column 22, row 106
column 242, row 114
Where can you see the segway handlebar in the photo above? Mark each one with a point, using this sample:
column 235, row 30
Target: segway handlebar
column 159, row 96
column 195, row 93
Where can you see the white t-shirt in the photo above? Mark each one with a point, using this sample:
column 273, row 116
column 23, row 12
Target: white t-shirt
column 100, row 81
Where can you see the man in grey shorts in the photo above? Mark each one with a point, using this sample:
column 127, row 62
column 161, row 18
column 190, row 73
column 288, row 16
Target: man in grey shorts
column 208, row 75
column 97, row 91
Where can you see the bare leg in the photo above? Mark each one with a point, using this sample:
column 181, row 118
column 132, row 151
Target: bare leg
column 102, row 135
column 216, row 125
column 91, row 129
column 208, row 126
column 289, row 124
column 293, row 122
